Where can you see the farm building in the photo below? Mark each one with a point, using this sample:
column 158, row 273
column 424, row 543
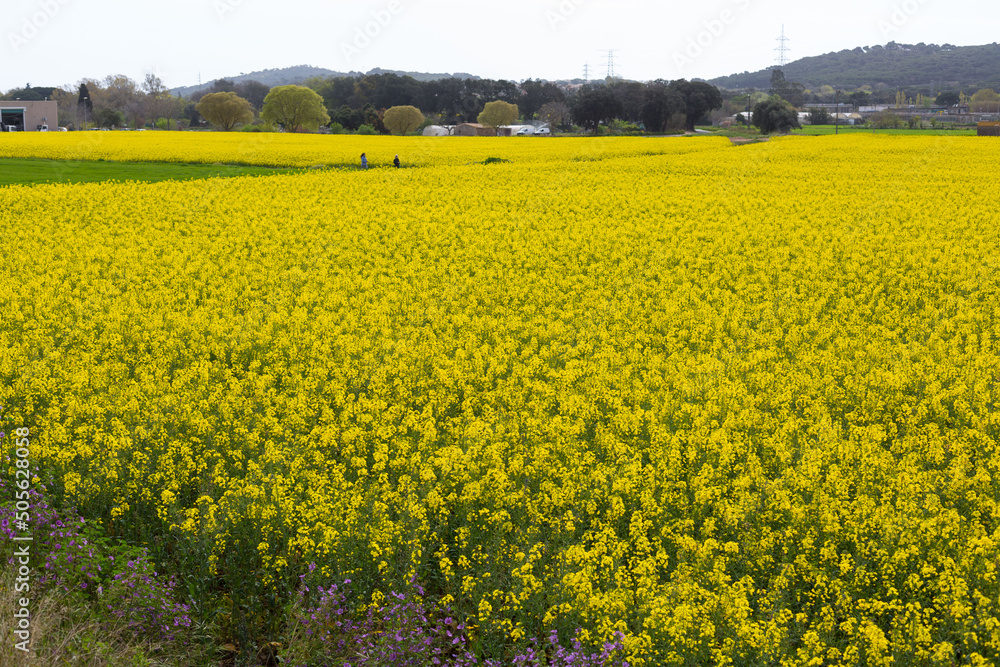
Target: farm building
column 28, row 116
column 436, row 131
column 988, row 129
column 479, row 130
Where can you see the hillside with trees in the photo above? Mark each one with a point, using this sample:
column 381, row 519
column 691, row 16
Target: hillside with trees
column 299, row 74
column 923, row 67
column 269, row 77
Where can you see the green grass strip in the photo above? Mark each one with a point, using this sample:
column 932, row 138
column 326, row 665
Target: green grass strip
column 28, row 171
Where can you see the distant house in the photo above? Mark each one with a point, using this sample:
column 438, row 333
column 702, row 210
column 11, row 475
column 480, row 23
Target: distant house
column 846, row 119
column 988, row 129
column 436, row 131
column 479, row 130
column 28, row 116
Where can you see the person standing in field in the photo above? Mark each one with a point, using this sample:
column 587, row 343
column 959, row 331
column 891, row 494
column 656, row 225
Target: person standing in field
column 364, row 161
column 396, row 161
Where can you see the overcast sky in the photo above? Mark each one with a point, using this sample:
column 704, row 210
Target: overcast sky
column 59, row 42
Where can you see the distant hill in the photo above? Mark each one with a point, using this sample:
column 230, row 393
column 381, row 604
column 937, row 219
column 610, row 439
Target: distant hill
column 269, row 77
column 423, row 76
column 300, row 74
column 927, row 67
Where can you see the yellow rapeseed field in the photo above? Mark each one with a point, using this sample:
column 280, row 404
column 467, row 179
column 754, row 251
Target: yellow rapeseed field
column 302, row 150
column 736, row 403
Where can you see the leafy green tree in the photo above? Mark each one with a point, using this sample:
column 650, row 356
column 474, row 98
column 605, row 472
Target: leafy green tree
column 446, row 97
column 699, row 99
column 536, row 94
column 948, row 99
column 374, row 118
column 109, row 118
column 985, row 101
column 594, row 105
column 222, row 86
column 860, row 98
column 336, row 92
column 29, row 93
column 886, row 120
column 295, row 108
column 402, row 119
column 775, row 115
column 819, row 117
column 788, row 90
column 498, row 113
column 350, row 119
column 633, row 98
column 225, row 110
column 660, row 106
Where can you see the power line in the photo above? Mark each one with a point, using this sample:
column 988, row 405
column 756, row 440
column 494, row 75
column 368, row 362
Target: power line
column 782, row 48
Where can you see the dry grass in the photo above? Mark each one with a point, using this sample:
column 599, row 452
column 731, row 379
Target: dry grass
column 64, row 633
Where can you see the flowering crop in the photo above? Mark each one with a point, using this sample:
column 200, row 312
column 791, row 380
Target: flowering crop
column 299, row 150
column 737, row 404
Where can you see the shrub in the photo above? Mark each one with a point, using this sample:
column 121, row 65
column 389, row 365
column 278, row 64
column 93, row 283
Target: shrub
column 404, row 630
column 886, row 120
column 775, row 115
column 258, row 126
column 117, row 582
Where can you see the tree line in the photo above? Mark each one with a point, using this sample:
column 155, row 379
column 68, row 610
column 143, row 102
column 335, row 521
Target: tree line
column 360, row 102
